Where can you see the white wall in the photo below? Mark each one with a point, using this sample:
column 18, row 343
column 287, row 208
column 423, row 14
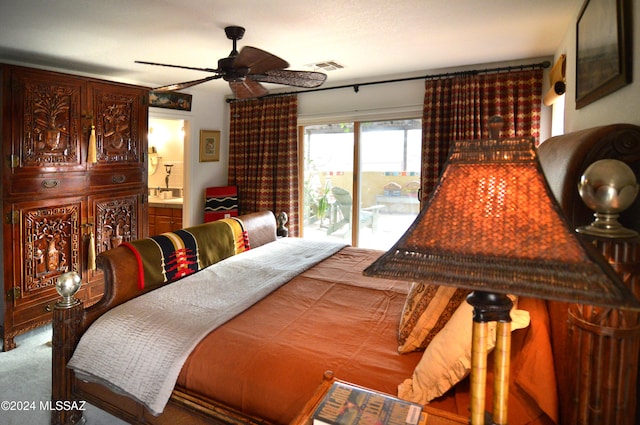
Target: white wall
column 392, row 100
column 207, row 113
column 622, row 106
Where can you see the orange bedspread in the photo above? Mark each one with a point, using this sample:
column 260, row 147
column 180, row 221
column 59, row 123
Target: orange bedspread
column 269, row 360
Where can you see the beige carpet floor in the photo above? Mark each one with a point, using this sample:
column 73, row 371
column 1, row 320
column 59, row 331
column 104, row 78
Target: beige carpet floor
column 25, row 383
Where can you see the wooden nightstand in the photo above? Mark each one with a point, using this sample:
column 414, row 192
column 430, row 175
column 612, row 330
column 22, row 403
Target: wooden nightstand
column 440, row 417
column 431, row 416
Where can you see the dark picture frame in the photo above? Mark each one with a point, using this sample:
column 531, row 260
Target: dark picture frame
column 603, row 49
column 209, row 145
column 170, row 100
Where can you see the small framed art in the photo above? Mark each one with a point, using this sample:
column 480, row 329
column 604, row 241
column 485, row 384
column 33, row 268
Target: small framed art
column 209, row 145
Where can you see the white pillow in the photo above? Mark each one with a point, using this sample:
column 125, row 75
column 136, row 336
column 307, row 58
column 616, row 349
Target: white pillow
column 447, row 359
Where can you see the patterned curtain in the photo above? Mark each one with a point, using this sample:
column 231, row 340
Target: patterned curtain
column 263, row 156
column 459, row 107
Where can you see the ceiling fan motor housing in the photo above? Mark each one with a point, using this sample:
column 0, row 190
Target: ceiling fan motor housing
column 229, row 73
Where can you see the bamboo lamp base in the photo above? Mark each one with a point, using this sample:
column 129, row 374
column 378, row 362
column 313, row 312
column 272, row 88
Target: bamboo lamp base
column 488, row 307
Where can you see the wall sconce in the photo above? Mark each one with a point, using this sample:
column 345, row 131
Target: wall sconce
column 153, row 160
column 557, row 81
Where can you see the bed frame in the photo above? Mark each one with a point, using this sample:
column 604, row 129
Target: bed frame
column 563, row 158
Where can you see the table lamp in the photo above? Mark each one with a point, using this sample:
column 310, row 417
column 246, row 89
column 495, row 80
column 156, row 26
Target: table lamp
column 493, row 226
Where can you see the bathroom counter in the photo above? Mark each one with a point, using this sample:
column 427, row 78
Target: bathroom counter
column 156, row 201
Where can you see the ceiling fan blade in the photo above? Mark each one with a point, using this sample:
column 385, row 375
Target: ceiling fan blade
column 247, row 89
column 180, row 86
column 178, row 66
column 258, row 61
column 306, row 79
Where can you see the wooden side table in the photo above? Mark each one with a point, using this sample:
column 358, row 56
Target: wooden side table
column 430, row 415
column 434, row 416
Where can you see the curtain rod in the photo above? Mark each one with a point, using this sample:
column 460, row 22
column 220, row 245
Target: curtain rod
column 356, row 86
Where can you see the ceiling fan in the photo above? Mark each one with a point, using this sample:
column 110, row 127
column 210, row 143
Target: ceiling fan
column 245, row 70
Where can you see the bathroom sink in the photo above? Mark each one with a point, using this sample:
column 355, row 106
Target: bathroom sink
column 172, row 201
column 161, row 200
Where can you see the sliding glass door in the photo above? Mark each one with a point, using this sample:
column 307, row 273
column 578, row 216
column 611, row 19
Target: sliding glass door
column 361, row 181
column 328, row 169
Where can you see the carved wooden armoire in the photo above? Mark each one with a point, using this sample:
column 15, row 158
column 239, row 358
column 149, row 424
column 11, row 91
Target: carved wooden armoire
column 58, row 207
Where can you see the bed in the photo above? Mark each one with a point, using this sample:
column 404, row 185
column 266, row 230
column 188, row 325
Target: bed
column 264, row 364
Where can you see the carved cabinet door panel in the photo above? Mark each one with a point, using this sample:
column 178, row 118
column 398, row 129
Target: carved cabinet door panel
column 120, row 122
column 46, row 238
column 47, row 122
column 116, row 218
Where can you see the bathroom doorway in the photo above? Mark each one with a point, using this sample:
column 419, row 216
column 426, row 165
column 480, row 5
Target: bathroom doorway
column 166, row 157
column 166, row 169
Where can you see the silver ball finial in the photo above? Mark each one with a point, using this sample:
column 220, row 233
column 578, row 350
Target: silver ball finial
column 608, row 187
column 67, row 286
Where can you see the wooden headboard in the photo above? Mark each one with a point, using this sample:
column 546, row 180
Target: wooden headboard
column 565, row 158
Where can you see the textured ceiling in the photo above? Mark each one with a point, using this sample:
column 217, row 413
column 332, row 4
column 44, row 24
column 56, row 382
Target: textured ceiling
column 371, row 38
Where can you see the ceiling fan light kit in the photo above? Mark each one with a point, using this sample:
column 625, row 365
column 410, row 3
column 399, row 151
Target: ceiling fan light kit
column 245, row 70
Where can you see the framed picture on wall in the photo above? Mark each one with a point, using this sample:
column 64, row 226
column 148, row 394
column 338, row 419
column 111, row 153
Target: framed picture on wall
column 209, row 145
column 170, row 100
column 603, row 53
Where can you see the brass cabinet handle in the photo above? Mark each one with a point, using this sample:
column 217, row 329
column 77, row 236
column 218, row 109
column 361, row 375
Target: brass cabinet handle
column 50, row 183
column 119, row 178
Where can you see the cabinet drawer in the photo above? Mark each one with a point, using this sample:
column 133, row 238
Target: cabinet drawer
column 34, row 313
column 161, row 211
column 39, row 311
column 34, row 307
column 116, row 178
column 63, row 184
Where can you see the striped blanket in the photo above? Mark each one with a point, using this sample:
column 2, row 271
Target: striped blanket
column 171, row 256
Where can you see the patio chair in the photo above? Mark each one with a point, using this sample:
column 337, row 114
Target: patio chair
column 343, row 216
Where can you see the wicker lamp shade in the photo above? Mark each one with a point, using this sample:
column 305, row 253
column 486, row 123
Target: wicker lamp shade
column 493, row 225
